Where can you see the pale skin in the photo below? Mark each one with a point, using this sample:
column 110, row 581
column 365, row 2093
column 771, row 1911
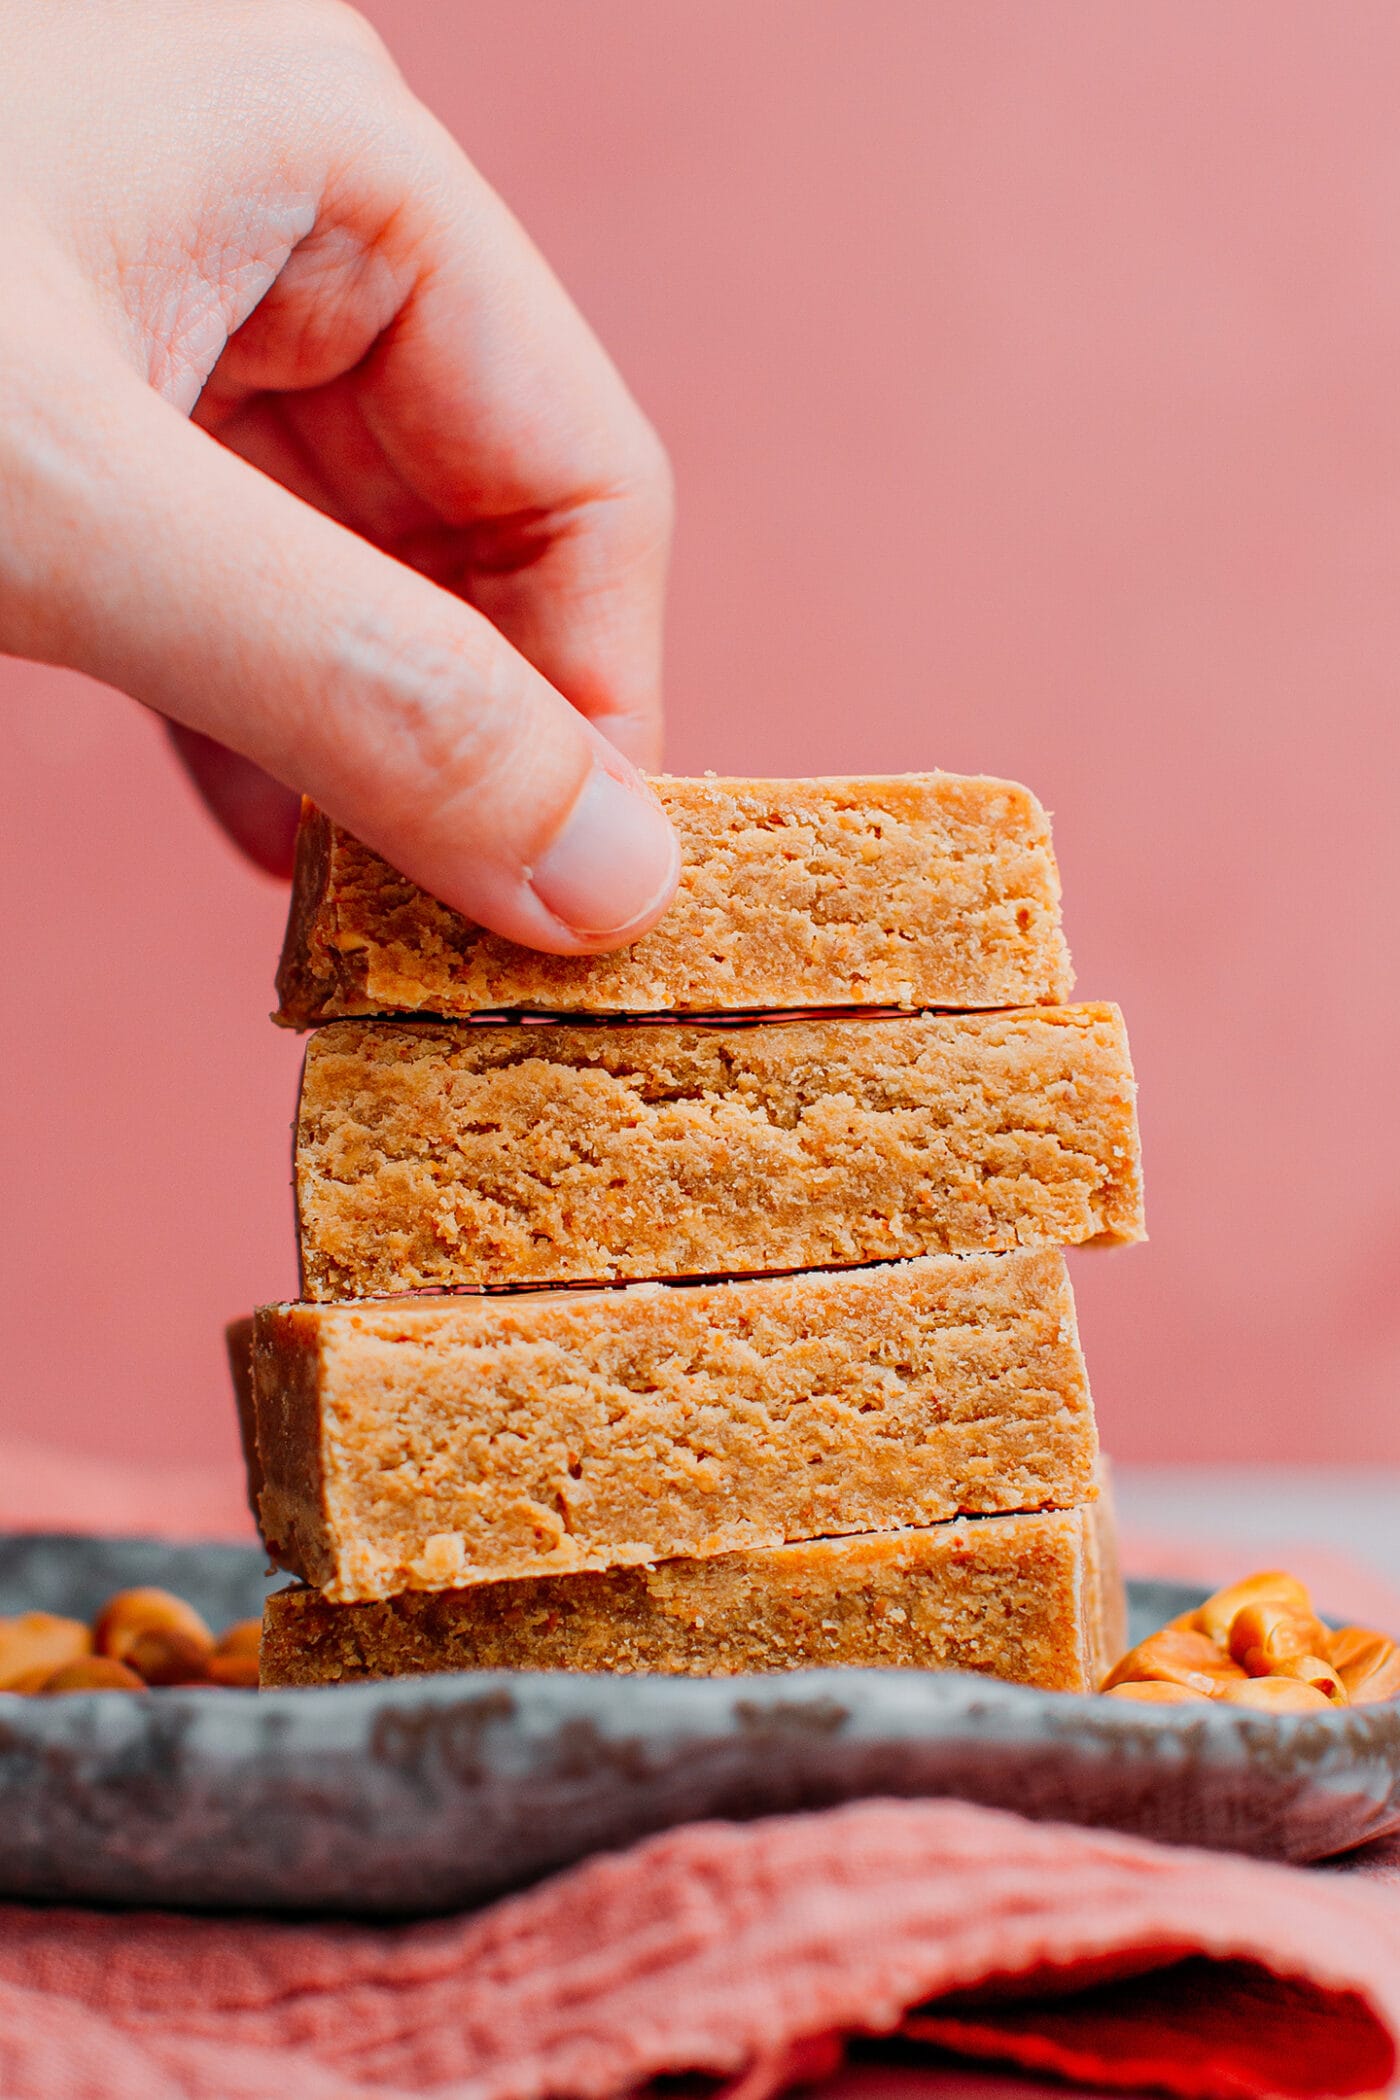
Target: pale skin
column 303, row 446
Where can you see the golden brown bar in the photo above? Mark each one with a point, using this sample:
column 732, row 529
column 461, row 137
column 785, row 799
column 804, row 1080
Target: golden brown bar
column 1011, row 1597
column 431, row 1443
column 437, row 1155
column 913, row 890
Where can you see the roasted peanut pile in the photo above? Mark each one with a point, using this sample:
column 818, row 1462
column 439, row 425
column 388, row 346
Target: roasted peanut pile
column 139, row 1638
column 1259, row 1643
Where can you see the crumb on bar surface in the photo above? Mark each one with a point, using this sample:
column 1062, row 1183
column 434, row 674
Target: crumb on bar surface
column 1009, row 1596
column 431, row 1443
column 434, row 1155
column 911, row 890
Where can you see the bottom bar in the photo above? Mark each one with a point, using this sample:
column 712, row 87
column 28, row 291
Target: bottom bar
column 1021, row 1597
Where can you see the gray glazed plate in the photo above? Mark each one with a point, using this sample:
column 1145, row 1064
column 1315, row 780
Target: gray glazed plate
column 430, row 1793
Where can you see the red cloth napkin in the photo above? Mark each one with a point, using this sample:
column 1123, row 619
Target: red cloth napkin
column 755, row 1956
column 741, row 1952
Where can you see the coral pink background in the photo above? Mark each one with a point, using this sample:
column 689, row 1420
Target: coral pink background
column 1033, row 381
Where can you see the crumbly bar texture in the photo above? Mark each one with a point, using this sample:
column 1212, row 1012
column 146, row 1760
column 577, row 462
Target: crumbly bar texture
column 432, row 1156
column 432, row 1443
column 919, row 889
column 1011, row 1597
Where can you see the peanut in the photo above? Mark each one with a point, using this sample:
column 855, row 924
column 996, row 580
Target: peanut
column 93, row 1673
column 243, row 1638
column 1260, row 1643
column 1275, row 1695
column 38, row 1642
column 1266, row 1634
column 234, row 1662
column 1176, row 1656
column 1217, row 1614
column 1156, row 1691
column 156, row 1634
column 236, row 1673
column 1367, row 1663
column 1323, row 1676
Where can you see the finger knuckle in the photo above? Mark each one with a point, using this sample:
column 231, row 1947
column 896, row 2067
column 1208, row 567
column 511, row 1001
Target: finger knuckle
column 329, row 25
column 345, row 71
column 451, row 709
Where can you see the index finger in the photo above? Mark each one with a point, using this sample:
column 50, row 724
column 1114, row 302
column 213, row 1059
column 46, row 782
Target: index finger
column 486, row 438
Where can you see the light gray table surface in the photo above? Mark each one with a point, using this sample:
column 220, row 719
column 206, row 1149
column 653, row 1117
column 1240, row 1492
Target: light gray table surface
column 1352, row 1510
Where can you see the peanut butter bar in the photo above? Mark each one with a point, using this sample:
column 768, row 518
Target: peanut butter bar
column 1010, row 1597
column 431, row 1443
column 920, row 889
column 440, row 1155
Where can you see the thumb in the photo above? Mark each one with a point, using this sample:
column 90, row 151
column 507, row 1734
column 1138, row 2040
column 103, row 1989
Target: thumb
column 167, row 566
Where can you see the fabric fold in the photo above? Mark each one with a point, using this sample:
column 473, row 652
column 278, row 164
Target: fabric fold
column 744, row 1954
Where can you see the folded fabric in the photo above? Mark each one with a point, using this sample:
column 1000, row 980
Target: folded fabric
column 750, row 1953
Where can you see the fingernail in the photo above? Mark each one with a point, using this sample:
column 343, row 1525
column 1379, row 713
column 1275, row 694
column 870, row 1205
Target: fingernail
column 614, row 862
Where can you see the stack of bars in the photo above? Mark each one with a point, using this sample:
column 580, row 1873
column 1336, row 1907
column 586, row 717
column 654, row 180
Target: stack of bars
column 699, row 1307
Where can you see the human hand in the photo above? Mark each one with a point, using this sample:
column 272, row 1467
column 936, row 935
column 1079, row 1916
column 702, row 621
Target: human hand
column 302, row 445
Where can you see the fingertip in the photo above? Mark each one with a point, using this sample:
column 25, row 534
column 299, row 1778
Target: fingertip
column 612, row 869
column 637, row 737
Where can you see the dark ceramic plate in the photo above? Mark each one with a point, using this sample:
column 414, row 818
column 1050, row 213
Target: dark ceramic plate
column 430, row 1793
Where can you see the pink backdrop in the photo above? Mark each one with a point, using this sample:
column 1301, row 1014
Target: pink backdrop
column 1032, row 377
